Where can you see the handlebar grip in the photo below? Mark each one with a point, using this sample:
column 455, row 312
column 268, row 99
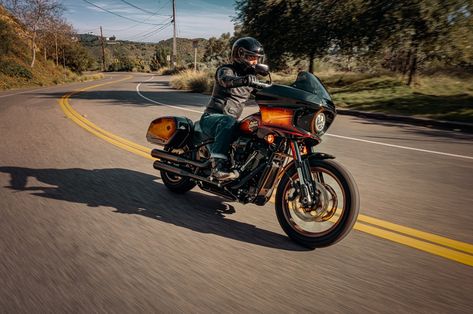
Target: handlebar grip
column 260, row 85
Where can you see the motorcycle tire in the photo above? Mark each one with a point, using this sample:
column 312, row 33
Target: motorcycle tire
column 177, row 184
column 295, row 221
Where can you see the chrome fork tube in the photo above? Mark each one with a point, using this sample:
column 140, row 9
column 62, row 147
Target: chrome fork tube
column 305, row 177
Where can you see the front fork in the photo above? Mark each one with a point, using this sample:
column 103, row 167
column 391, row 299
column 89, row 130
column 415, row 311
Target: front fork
column 309, row 198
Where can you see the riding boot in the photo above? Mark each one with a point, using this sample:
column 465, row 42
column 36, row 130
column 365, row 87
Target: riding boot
column 221, row 172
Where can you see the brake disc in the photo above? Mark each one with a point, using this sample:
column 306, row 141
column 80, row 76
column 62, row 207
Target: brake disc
column 322, row 211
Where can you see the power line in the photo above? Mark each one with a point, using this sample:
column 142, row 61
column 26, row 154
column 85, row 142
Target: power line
column 133, row 26
column 154, row 32
column 128, row 18
column 137, row 7
column 145, row 32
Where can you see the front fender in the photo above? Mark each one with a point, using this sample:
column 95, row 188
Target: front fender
column 318, row 156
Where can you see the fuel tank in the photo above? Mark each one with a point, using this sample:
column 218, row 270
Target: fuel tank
column 250, row 124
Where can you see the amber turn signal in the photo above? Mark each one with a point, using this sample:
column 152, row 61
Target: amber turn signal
column 304, row 150
column 163, row 128
column 270, row 138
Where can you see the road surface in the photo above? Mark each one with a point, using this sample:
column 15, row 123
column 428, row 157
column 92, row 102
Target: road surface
column 87, row 225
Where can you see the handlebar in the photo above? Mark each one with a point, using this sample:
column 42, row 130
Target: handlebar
column 260, row 85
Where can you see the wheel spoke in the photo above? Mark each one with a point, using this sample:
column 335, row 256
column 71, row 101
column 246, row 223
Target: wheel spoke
column 319, row 176
column 321, row 218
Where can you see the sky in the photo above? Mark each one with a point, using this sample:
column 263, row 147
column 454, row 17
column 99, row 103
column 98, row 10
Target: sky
column 150, row 22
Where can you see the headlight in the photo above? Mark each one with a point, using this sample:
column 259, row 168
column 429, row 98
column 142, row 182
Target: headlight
column 319, row 122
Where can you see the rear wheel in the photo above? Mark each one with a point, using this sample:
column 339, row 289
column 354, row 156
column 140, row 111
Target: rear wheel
column 176, row 183
column 328, row 221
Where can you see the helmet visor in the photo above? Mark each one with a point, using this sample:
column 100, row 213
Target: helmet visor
column 251, row 57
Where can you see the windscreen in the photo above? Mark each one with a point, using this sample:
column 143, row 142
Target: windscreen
column 310, row 83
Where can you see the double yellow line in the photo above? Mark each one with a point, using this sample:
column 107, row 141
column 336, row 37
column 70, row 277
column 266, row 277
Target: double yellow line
column 97, row 131
column 434, row 244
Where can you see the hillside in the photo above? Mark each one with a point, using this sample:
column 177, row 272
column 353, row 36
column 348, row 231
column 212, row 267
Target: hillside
column 15, row 58
column 123, row 55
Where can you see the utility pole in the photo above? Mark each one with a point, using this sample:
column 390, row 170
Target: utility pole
column 195, row 43
column 57, row 53
column 63, row 58
column 174, row 53
column 64, row 62
column 103, row 49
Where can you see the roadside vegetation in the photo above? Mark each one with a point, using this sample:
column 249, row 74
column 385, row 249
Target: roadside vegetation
column 405, row 57
column 439, row 97
column 36, row 47
column 198, row 82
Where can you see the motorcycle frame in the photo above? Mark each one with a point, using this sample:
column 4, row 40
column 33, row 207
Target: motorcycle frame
column 286, row 155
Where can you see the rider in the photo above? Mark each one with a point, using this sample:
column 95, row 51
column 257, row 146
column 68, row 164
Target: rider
column 234, row 83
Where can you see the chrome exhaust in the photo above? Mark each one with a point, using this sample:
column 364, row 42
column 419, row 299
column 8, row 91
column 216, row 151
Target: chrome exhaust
column 161, row 154
column 181, row 172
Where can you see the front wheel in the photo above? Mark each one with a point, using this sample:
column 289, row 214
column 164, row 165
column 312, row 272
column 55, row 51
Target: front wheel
column 335, row 213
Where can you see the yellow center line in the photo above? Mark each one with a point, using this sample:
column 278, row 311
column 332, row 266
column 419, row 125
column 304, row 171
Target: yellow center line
column 97, row 131
column 441, row 246
column 457, row 245
column 415, row 243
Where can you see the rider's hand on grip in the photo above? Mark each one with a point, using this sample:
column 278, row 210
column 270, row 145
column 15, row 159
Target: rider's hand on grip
column 251, row 80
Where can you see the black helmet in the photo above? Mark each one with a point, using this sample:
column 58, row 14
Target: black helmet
column 245, row 48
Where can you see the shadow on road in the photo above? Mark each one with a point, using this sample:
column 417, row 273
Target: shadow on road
column 157, row 90
column 437, row 134
column 131, row 98
column 133, row 192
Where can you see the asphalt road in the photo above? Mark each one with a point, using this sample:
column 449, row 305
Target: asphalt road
column 87, row 226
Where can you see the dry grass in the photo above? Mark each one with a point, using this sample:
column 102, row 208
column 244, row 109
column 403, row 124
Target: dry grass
column 199, row 82
column 438, row 97
column 43, row 74
column 91, row 77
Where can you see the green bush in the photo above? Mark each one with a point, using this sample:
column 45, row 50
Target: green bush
column 15, row 70
column 7, row 38
column 171, row 71
column 78, row 58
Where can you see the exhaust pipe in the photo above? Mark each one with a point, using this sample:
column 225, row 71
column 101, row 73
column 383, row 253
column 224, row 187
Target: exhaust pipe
column 161, row 154
column 180, row 172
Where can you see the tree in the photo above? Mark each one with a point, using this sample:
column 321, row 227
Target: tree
column 269, row 22
column 416, row 31
column 7, row 38
column 217, row 50
column 407, row 33
column 34, row 14
column 77, row 58
column 302, row 29
column 159, row 59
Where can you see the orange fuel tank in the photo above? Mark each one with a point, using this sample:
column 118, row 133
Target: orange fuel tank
column 250, row 124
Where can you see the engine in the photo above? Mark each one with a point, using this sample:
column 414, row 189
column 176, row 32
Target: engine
column 247, row 153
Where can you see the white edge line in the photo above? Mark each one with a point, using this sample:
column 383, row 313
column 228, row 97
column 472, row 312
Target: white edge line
column 26, row 91
column 160, row 103
column 333, row 135
column 403, row 147
column 48, row 87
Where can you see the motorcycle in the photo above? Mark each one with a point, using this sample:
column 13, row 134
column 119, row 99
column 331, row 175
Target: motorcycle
column 316, row 201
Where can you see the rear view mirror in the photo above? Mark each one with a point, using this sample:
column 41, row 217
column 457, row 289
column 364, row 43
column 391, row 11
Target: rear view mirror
column 262, row 69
